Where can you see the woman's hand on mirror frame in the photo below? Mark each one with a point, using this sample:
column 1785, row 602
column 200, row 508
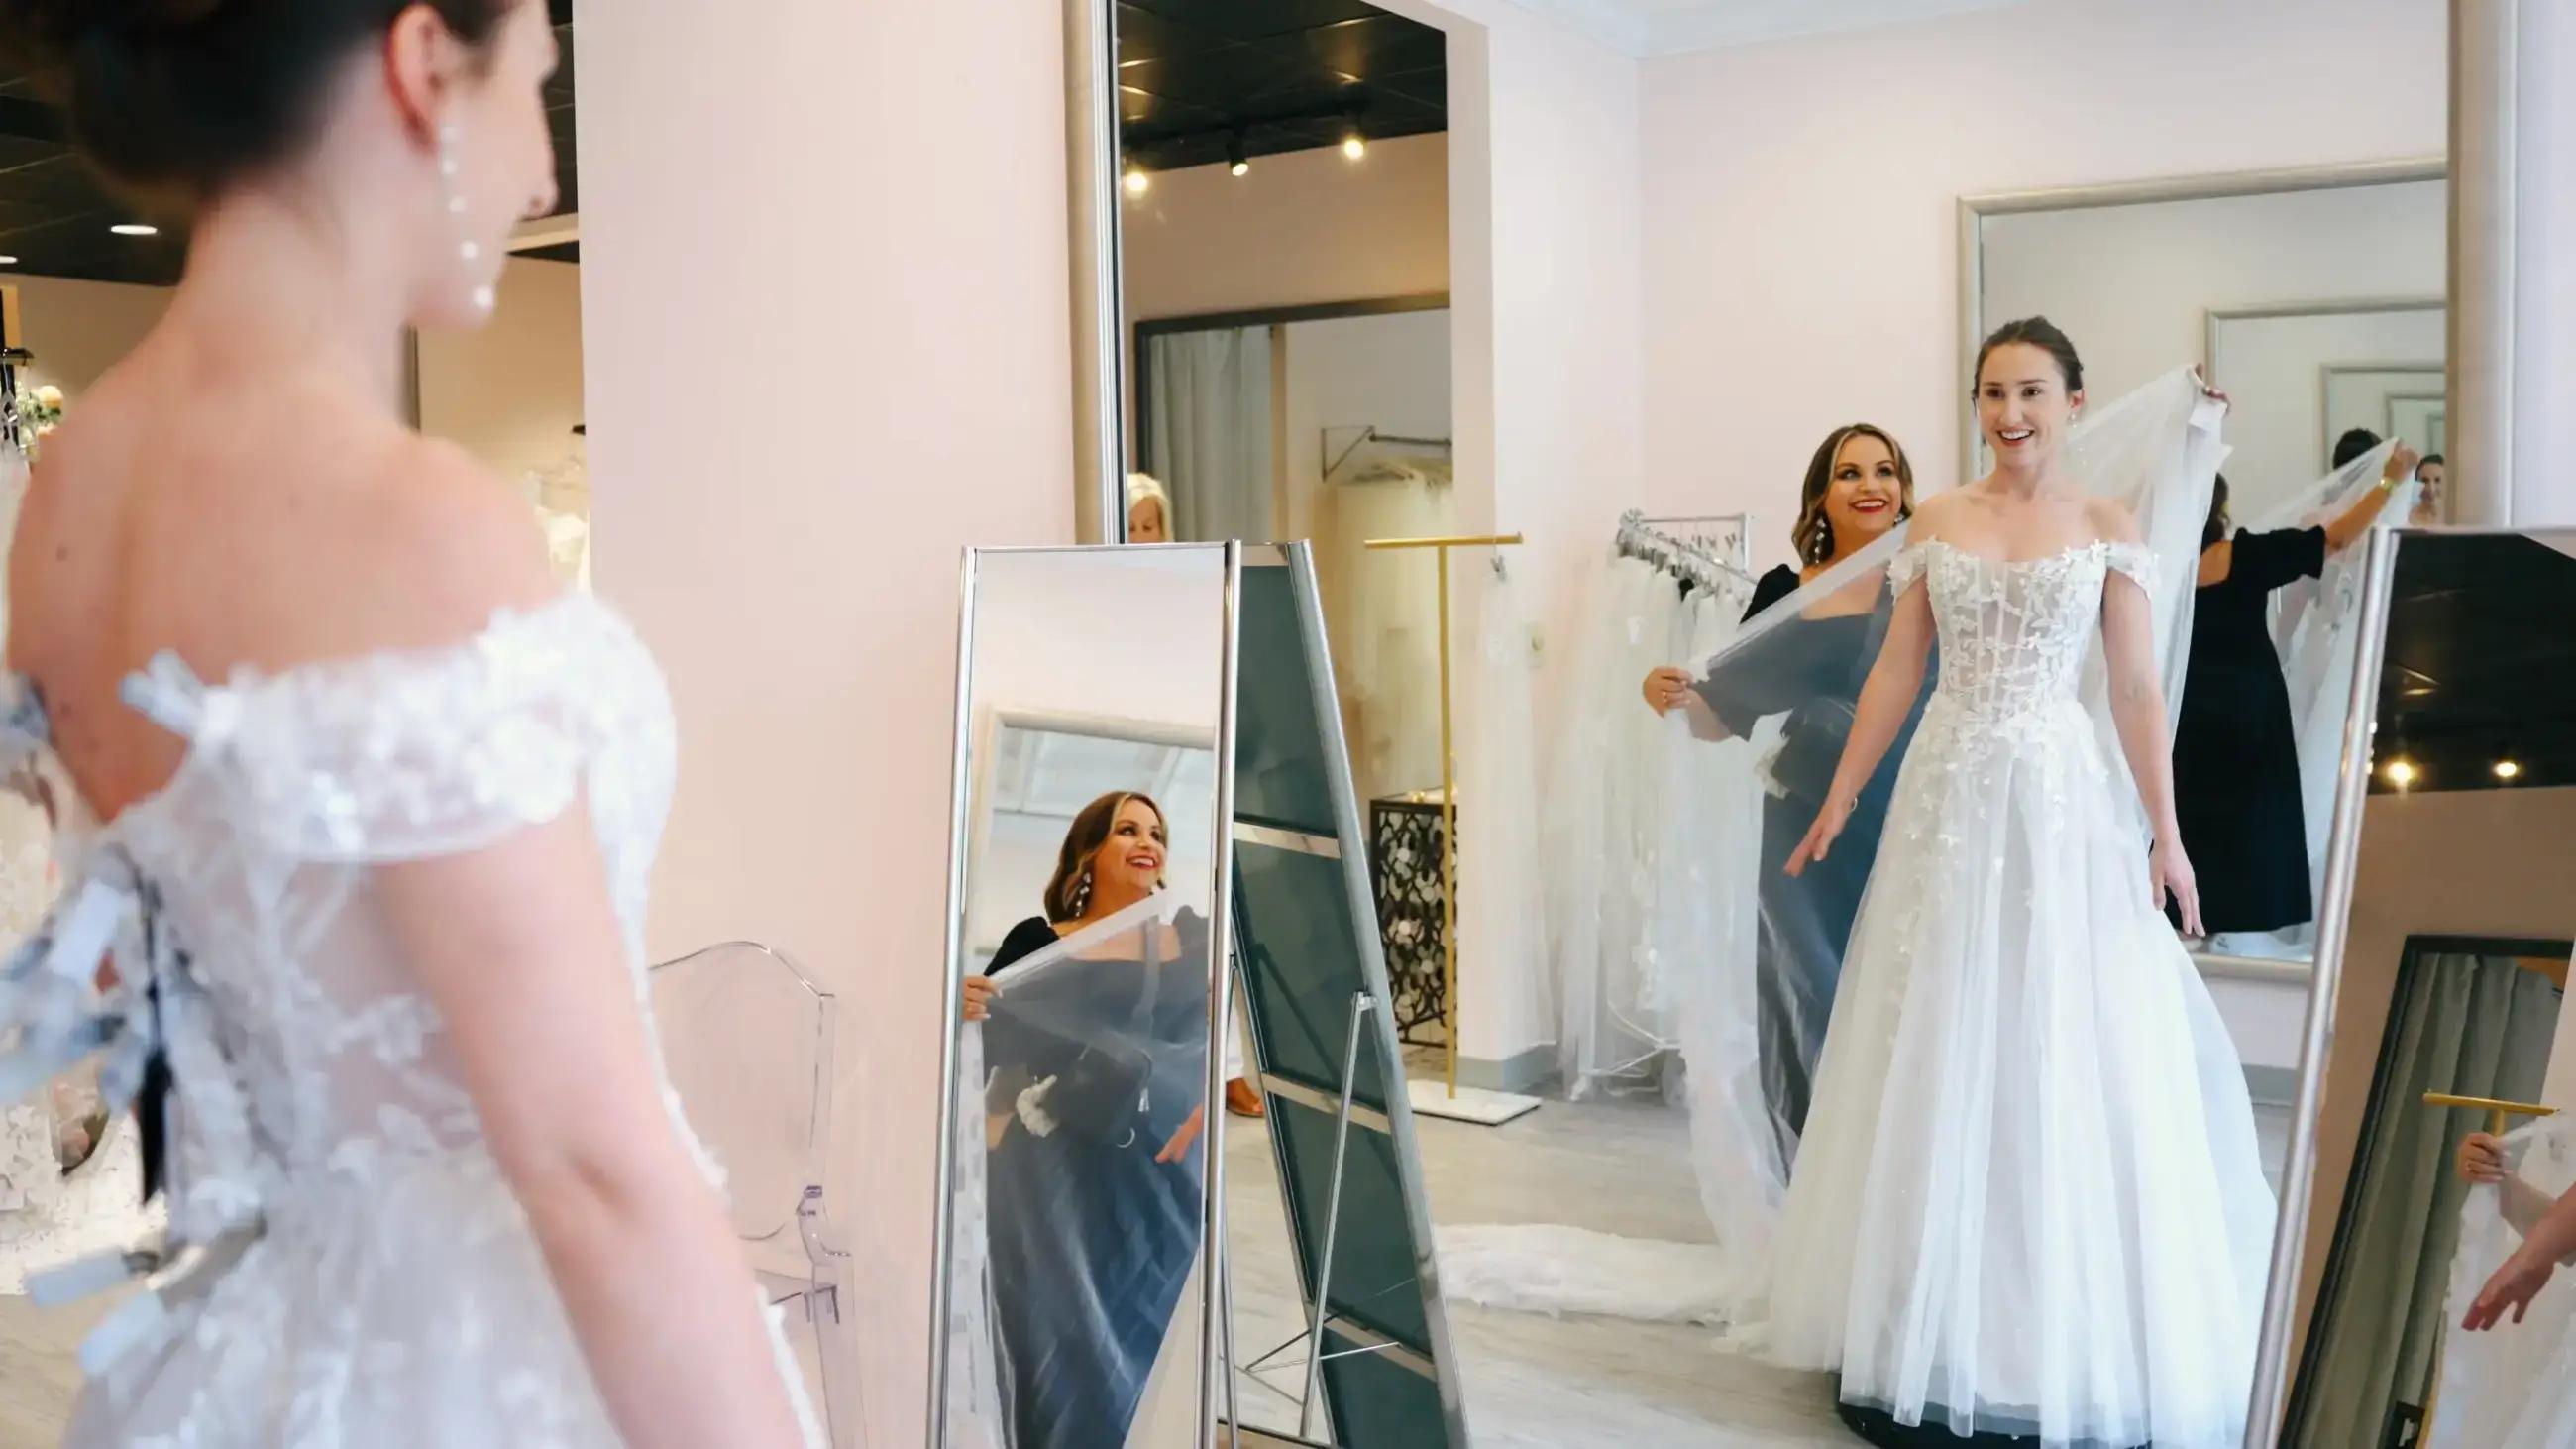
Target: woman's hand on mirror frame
column 2401, row 466
column 978, row 994
column 2481, row 1158
column 1179, row 1147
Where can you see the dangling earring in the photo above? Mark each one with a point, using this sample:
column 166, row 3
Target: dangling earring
column 1082, row 894
column 451, row 166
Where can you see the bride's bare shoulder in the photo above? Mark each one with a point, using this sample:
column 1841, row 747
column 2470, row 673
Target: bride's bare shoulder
column 294, row 536
column 2111, row 520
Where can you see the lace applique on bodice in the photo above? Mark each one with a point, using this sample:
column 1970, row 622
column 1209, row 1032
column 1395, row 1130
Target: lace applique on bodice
column 326, row 1169
column 2015, row 634
column 258, row 852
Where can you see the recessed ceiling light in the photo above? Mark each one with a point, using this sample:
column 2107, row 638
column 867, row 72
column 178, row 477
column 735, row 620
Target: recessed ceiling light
column 1355, row 145
column 2401, row 772
column 1236, row 162
column 135, row 228
column 1138, row 181
column 2508, row 769
column 8, row 261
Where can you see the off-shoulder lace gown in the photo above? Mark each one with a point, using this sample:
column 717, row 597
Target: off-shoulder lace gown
column 347, row 1266
column 2029, row 1199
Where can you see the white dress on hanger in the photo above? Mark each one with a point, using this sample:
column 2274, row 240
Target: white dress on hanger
column 2029, row 1198
column 1604, row 818
column 347, row 1264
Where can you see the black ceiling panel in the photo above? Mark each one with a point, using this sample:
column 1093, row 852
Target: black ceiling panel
column 1198, row 76
column 55, row 215
column 2478, row 665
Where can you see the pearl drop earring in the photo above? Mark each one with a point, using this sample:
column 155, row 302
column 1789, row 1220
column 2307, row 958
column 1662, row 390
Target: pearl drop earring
column 451, row 140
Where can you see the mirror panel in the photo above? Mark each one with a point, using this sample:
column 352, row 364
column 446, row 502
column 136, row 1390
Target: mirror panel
column 1089, row 888
column 2455, row 923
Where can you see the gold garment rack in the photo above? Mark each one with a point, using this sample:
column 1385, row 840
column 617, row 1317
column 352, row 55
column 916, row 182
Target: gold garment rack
column 1448, row 793
column 2497, row 1111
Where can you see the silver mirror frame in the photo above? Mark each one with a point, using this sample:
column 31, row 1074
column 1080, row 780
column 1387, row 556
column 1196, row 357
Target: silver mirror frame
column 2316, row 1037
column 964, row 792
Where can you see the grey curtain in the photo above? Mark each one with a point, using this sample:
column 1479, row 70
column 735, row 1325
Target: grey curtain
column 1207, row 431
column 2469, row 1024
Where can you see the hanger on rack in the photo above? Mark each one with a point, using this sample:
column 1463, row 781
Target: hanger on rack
column 1388, row 465
column 1640, row 539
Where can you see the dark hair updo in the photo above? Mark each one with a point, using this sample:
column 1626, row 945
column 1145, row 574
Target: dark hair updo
column 185, row 97
column 2353, row 444
column 2037, row 332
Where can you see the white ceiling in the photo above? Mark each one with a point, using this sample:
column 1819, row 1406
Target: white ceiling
column 1672, row 27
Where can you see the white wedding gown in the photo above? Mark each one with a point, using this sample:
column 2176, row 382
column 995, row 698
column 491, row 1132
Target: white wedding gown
column 2028, row 1199
column 347, row 1265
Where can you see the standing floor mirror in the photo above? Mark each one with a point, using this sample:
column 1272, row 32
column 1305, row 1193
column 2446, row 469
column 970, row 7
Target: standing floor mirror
column 1140, row 826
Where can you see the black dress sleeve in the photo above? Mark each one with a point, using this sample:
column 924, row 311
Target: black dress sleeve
column 1771, row 588
column 2266, row 561
column 1026, row 939
column 1752, row 683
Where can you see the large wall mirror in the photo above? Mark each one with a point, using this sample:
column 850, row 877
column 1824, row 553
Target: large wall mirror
column 1281, row 189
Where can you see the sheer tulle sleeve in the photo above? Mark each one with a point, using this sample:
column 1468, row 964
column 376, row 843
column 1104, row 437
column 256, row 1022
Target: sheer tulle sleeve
column 1905, row 568
column 2138, row 562
column 414, row 755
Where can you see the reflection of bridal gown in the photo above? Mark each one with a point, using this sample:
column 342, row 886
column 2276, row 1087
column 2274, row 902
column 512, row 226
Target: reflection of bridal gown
column 360, row 1272
column 2028, row 1198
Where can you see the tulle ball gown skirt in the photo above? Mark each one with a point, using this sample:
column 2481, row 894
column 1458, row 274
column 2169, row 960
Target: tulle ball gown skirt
column 2029, row 1200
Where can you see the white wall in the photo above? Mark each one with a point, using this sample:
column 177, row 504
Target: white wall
column 512, row 391
column 1299, row 229
column 894, row 374
column 1800, row 237
column 78, row 329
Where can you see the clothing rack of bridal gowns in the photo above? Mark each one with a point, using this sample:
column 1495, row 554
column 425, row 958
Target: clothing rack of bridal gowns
column 1629, row 789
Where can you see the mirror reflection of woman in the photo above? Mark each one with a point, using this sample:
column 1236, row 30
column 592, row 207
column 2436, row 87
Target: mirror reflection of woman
column 2029, row 1200
column 2432, row 477
column 1094, row 1174
column 2235, row 755
column 1149, row 510
column 1859, row 486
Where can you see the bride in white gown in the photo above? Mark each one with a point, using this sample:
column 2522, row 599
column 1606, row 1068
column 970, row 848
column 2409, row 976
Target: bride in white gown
column 362, row 808
column 2028, row 1201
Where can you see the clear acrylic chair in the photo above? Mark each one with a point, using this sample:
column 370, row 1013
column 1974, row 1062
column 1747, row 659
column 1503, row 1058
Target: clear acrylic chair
column 748, row 1040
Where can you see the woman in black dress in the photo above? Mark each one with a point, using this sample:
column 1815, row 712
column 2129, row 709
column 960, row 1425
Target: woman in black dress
column 1858, row 487
column 2236, row 759
column 1096, row 1097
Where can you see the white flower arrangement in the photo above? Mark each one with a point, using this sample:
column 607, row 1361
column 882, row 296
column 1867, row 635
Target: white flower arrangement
column 40, row 411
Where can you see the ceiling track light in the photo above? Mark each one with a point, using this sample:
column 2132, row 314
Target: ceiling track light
column 134, row 228
column 1354, row 140
column 1236, row 162
column 1139, row 180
